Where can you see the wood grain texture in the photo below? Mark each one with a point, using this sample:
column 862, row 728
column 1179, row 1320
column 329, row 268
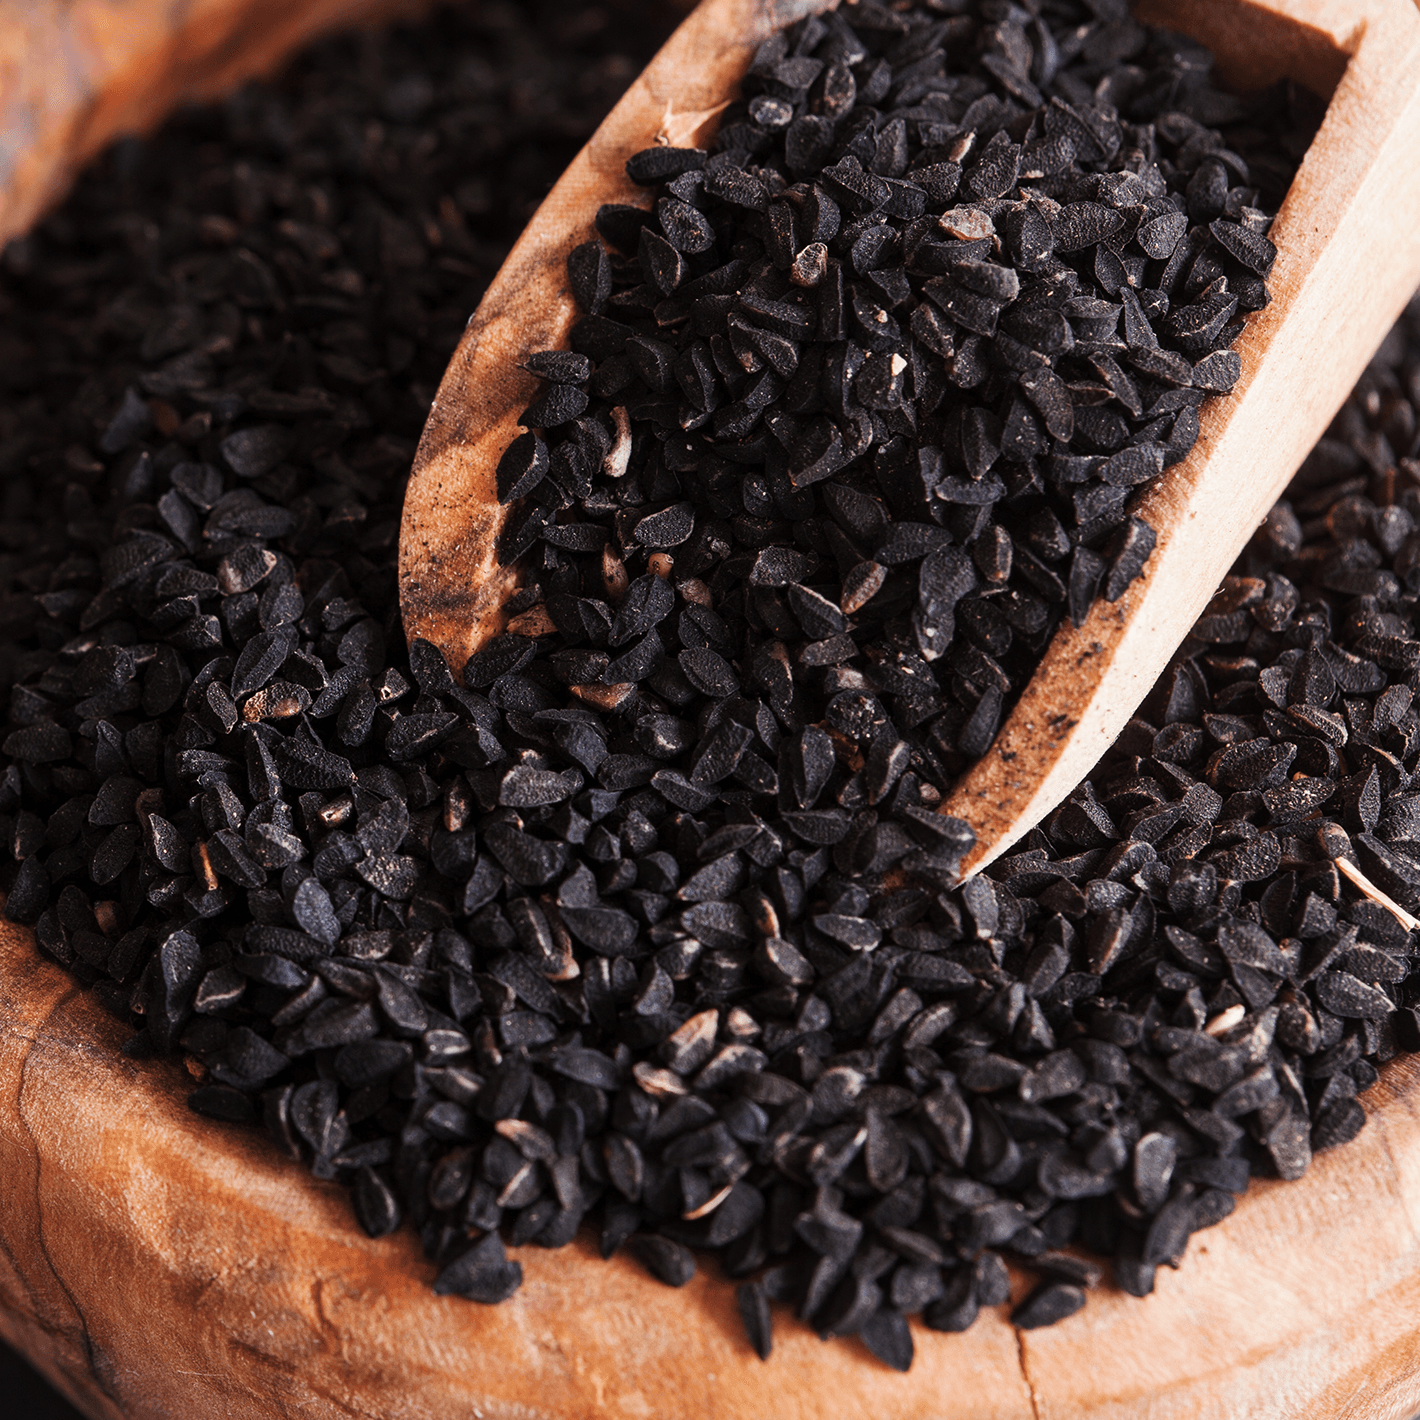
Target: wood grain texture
column 74, row 74
column 156, row 1265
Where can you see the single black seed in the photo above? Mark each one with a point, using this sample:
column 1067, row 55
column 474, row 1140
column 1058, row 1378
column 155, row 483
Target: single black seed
column 558, row 404
column 560, row 366
column 754, row 1313
column 657, row 165
column 522, row 467
column 482, row 1274
column 249, row 453
column 222, row 1102
column 666, row 1261
column 1048, row 1304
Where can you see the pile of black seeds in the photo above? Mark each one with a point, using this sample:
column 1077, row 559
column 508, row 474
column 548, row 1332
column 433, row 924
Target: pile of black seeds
column 680, row 964
column 891, row 362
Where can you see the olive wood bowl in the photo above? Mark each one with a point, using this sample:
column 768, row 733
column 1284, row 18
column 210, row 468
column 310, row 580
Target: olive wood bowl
column 154, row 1264
column 1349, row 258
column 74, row 74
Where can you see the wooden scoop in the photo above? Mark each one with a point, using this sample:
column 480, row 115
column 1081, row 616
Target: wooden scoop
column 451, row 588
column 1349, row 257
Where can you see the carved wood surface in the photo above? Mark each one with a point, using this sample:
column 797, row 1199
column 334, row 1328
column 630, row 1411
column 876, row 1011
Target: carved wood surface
column 157, row 1265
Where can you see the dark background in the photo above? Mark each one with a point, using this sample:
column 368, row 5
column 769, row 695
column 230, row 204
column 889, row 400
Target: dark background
column 27, row 1395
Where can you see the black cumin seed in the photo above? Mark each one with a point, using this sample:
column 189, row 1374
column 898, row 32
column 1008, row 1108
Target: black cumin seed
column 1048, row 1304
column 604, row 933
column 666, row 1261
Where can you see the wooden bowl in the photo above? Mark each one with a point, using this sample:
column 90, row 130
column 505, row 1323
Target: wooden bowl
column 154, row 1264
column 75, row 74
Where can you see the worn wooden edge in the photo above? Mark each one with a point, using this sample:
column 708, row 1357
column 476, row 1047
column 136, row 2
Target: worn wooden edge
column 75, row 74
column 1348, row 239
column 156, row 1264
column 452, row 589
